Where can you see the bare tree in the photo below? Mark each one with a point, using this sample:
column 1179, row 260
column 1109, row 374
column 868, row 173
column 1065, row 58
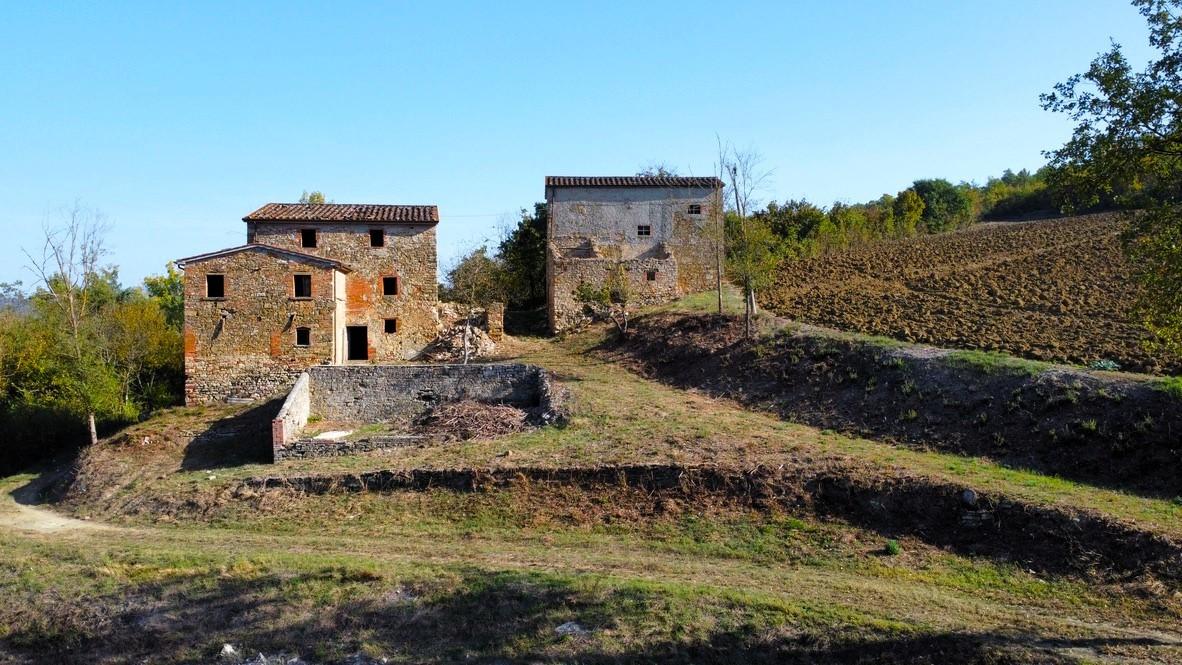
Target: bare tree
column 744, row 175
column 67, row 269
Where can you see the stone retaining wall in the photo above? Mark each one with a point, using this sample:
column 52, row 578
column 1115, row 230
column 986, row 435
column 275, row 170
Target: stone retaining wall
column 402, row 393
column 293, row 415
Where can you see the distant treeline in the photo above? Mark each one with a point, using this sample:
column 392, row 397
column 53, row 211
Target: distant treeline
column 934, row 206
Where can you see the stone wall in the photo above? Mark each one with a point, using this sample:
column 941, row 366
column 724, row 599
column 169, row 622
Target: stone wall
column 243, row 345
column 402, row 393
column 408, row 253
column 396, row 392
column 592, row 229
column 293, row 415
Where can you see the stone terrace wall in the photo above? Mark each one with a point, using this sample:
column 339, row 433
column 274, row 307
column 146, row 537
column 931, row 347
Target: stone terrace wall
column 385, row 393
column 294, row 413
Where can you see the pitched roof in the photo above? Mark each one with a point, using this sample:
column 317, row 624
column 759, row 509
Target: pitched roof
column 343, row 212
column 259, row 247
column 631, row 181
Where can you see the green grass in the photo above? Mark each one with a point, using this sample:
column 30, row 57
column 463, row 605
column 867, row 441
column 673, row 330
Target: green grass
column 407, row 572
column 992, row 362
column 621, row 418
column 1171, row 385
column 707, row 302
column 443, row 576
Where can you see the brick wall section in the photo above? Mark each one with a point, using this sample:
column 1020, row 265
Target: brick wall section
column 408, row 253
column 592, row 229
column 401, row 393
column 244, row 345
column 495, row 321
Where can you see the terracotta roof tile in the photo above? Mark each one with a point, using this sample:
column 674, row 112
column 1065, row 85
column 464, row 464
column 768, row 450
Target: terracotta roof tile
column 344, row 212
column 631, row 181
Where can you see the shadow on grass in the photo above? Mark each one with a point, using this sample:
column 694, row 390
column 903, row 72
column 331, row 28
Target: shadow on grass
column 329, row 615
column 244, row 438
column 1110, row 433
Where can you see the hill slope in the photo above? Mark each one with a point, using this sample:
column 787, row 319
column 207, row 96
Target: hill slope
column 1057, row 290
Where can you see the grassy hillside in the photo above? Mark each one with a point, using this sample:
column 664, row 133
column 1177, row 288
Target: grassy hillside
column 169, row 553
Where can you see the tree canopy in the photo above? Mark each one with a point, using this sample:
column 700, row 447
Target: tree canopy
column 1126, row 151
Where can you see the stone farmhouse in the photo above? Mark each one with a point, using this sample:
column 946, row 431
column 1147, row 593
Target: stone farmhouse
column 315, row 284
column 664, row 232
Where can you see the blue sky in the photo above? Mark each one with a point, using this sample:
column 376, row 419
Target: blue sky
column 176, row 119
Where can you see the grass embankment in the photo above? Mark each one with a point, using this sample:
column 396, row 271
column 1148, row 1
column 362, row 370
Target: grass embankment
column 440, row 576
column 195, row 561
column 619, row 418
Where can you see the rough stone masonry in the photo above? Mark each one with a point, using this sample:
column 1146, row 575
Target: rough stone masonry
column 324, row 284
column 401, row 394
column 665, row 233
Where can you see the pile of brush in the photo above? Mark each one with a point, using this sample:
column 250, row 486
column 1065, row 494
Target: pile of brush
column 468, row 419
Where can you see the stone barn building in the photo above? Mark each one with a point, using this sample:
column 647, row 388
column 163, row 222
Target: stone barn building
column 664, row 232
column 316, row 284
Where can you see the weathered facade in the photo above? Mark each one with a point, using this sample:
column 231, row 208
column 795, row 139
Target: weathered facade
column 315, row 285
column 665, row 233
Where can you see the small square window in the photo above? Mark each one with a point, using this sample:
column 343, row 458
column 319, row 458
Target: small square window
column 377, row 238
column 389, row 286
column 303, row 286
column 694, row 209
column 303, row 337
column 391, row 326
column 644, row 230
column 651, row 275
column 307, row 237
column 215, row 286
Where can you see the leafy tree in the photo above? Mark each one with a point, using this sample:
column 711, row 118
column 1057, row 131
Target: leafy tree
column 522, row 254
column 849, row 223
column 312, row 198
column 658, row 169
column 144, row 351
column 168, row 290
column 85, row 354
column 611, row 299
column 71, row 283
column 744, row 176
column 945, row 206
column 794, row 222
column 1126, row 149
column 880, row 217
column 476, row 281
column 11, row 296
column 909, row 209
column 753, row 253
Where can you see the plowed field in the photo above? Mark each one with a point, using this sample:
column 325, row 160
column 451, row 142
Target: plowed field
column 1057, row 290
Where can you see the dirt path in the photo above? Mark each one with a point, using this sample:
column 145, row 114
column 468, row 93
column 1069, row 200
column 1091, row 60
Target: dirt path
column 19, row 510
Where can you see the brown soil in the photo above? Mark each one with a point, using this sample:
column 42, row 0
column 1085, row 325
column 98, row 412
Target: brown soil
column 1102, row 429
column 1050, row 540
column 1058, row 290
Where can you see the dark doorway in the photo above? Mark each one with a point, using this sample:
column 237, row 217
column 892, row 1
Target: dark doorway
column 358, row 342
